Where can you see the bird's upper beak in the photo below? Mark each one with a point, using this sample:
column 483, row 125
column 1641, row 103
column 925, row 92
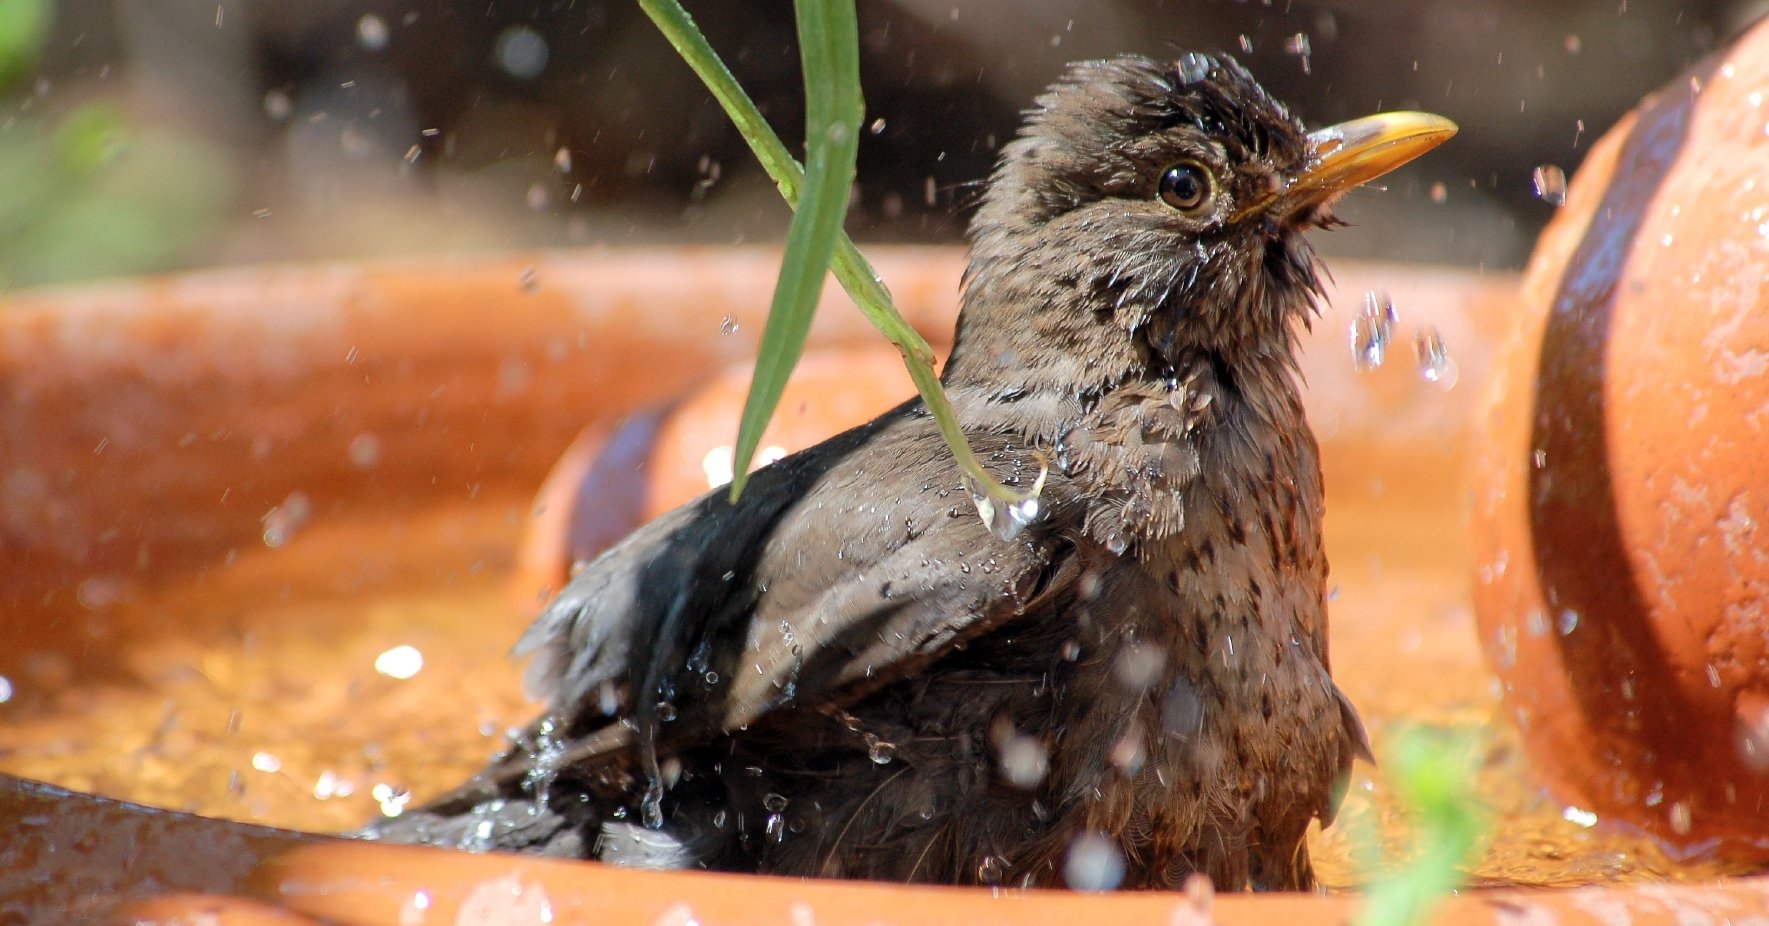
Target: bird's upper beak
column 1345, row 155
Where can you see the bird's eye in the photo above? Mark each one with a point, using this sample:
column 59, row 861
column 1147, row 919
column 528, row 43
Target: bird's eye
column 1188, row 187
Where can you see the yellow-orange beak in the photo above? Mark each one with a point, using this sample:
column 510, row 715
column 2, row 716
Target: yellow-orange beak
column 1345, row 155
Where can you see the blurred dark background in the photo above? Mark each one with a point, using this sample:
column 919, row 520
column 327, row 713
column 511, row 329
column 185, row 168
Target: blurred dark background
column 148, row 134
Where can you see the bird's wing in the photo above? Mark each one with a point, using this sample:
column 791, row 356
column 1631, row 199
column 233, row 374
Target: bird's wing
column 842, row 567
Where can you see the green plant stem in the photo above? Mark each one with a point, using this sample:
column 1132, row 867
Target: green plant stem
column 851, row 269
column 829, row 41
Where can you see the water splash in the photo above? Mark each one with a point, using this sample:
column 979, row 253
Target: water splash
column 1372, row 330
column 1550, row 184
column 1435, row 363
column 1300, row 46
column 392, row 798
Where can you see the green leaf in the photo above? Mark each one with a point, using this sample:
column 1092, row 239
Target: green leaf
column 24, row 24
column 829, row 49
column 851, row 269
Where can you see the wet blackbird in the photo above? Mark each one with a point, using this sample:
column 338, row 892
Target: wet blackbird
column 849, row 674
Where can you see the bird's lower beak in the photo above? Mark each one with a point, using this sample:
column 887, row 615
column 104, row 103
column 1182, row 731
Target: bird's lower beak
column 1350, row 153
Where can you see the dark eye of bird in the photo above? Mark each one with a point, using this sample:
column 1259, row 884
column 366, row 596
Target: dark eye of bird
column 1188, row 187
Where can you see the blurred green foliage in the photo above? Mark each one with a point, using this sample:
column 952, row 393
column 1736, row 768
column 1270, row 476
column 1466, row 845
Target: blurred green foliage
column 1431, row 770
column 93, row 192
column 24, row 24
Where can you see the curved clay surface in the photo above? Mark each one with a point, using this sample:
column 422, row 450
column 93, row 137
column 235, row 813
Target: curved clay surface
column 1622, row 580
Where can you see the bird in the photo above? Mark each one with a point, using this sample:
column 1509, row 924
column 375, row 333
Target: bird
column 851, row 672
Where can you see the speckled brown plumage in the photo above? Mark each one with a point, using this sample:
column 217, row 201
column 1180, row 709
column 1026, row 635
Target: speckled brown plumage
column 848, row 675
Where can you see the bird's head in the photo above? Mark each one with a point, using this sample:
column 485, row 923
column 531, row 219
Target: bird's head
column 1147, row 209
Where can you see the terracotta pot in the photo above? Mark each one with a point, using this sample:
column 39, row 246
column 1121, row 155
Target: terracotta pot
column 1622, row 580
column 152, row 429
column 616, row 476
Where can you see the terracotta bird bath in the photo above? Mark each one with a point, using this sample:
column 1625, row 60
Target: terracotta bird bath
column 266, row 535
column 238, row 503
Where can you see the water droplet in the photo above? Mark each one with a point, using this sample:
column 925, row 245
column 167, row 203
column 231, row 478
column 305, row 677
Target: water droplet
column 774, row 803
column 265, row 762
column 1116, row 543
column 1194, row 67
column 5, row 689
column 728, row 325
column 365, row 451
column 879, row 750
column 562, row 160
column 281, row 522
column 400, row 662
column 1138, row 666
column 1300, row 46
column 1506, row 638
column 1567, row 622
column 776, row 827
column 1024, row 761
column 99, row 592
column 1435, row 363
column 1440, row 192
column 1751, row 717
column 990, row 870
column 1128, row 754
column 1550, row 183
column 1094, row 864
column 1682, row 818
column 392, row 798
column 330, row 784
column 371, row 32
column 521, row 52
column 278, row 105
column 1573, row 43
column 529, row 280
column 1246, row 43
column 1578, row 816
column 607, row 699
column 719, row 466
column 711, row 677
column 651, row 806
column 1006, row 518
column 1371, row 331
column 877, row 126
